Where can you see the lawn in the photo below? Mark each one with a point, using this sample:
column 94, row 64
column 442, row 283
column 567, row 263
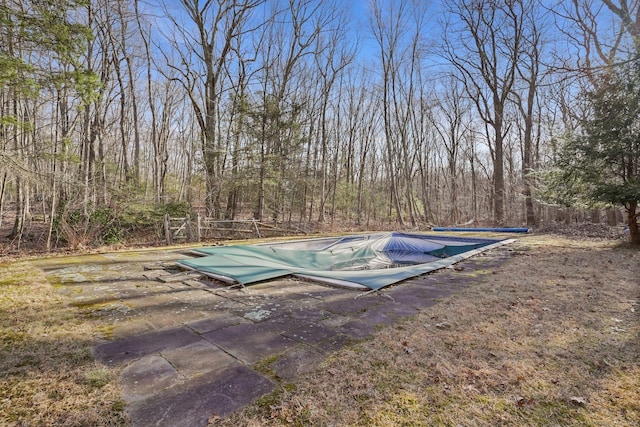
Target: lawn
column 48, row 376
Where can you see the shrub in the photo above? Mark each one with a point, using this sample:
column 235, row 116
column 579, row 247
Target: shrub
column 113, row 224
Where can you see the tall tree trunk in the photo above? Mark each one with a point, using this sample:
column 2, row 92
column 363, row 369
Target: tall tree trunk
column 485, row 45
column 158, row 153
column 498, row 172
column 3, row 186
column 124, row 139
column 632, row 218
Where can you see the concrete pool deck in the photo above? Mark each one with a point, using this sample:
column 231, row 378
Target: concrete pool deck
column 191, row 349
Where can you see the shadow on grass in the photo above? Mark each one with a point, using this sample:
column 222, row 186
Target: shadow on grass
column 48, row 375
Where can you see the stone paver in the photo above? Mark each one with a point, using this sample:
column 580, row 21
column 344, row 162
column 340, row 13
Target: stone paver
column 307, row 332
column 297, row 362
column 333, row 344
column 250, row 343
column 215, row 322
column 133, row 347
column 194, row 403
column 418, row 296
column 195, row 349
column 347, row 305
column 144, row 377
column 357, row 329
column 199, row 358
column 382, row 315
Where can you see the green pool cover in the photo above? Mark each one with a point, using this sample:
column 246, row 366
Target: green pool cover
column 370, row 261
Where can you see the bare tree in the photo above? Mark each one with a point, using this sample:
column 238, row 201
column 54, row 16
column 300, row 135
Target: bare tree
column 451, row 121
column 331, row 55
column 587, row 25
column 526, row 96
column 204, row 50
column 484, row 43
column 398, row 30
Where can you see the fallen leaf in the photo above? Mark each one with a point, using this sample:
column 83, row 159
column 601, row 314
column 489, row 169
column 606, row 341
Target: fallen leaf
column 578, row 400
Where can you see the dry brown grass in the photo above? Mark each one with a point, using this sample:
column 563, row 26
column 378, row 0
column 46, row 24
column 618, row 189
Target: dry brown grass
column 552, row 338
column 47, row 373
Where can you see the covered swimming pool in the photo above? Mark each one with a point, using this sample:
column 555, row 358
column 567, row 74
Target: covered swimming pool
column 366, row 261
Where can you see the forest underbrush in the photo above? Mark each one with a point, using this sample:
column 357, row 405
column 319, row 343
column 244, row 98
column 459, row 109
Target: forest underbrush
column 118, row 229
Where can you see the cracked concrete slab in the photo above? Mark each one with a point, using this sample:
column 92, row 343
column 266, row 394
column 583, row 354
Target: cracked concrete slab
column 249, row 343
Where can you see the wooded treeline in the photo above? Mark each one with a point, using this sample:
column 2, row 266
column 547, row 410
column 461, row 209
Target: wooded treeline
column 302, row 112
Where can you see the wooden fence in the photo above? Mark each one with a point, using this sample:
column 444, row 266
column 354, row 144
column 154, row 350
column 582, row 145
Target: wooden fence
column 184, row 229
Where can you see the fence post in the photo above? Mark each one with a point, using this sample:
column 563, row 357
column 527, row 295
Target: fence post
column 255, row 225
column 187, row 228
column 167, row 229
column 198, row 224
column 612, row 217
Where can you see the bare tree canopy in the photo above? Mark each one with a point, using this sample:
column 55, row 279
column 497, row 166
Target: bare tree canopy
column 309, row 114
